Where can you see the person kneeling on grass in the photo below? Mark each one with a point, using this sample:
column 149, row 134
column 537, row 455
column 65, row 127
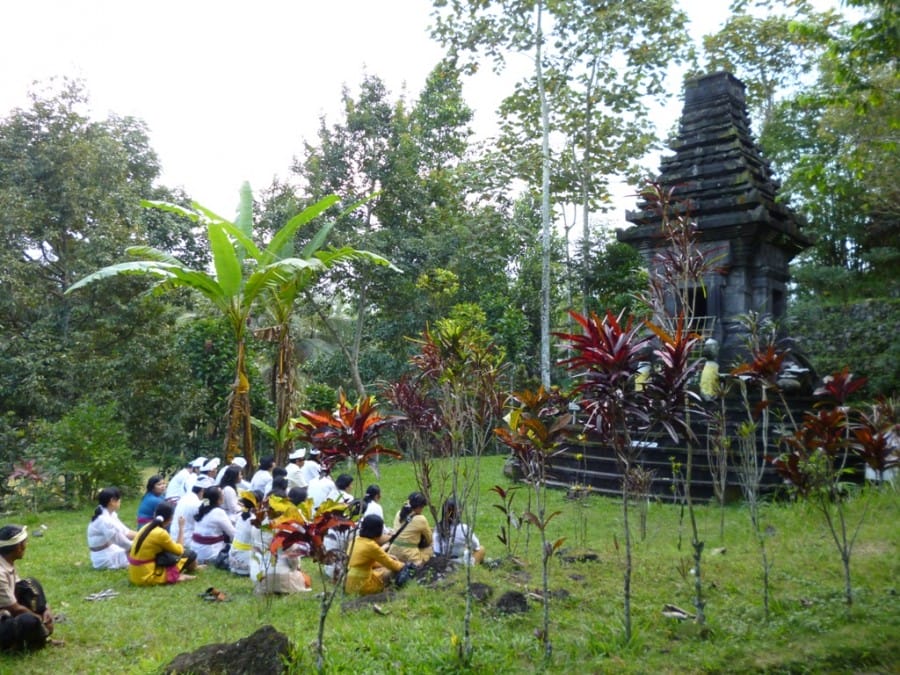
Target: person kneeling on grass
column 108, row 538
column 25, row 620
column 155, row 558
column 276, row 573
column 370, row 567
column 454, row 540
column 213, row 530
column 412, row 539
column 242, row 545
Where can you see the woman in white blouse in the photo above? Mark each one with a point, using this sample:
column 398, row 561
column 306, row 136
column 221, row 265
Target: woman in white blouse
column 454, row 539
column 212, row 527
column 108, row 537
column 230, row 485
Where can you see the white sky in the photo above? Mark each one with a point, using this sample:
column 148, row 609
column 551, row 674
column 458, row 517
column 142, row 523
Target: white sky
column 229, row 90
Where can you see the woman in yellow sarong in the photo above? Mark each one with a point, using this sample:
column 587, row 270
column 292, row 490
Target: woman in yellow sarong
column 370, row 567
column 412, row 533
column 145, row 565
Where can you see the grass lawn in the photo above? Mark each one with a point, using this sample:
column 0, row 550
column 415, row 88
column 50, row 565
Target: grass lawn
column 810, row 629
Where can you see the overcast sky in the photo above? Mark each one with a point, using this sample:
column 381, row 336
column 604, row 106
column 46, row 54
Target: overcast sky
column 229, row 90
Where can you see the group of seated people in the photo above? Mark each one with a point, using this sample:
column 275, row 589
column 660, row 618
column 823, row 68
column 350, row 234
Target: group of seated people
column 207, row 519
column 377, row 554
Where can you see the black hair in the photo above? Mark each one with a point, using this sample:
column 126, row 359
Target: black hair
column 211, row 499
column 297, row 495
column 415, row 500
column 249, row 505
column 104, row 497
column 162, row 513
column 371, row 493
column 279, row 472
column 279, row 485
column 343, row 481
column 152, row 482
column 266, row 463
column 372, row 526
column 8, row 532
column 449, row 518
column 230, row 477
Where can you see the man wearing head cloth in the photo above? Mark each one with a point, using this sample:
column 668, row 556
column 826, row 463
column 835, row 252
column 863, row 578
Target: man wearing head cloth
column 188, row 507
column 311, row 467
column 211, row 467
column 295, row 469
column 26, row 622
column 180, row 484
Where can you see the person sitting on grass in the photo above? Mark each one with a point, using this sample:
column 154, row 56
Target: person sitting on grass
column 108, row 538
column 453, row 539
column 155, row 558
column 242, row 545
column 279, row 485
column 213, row 528
column 156, row 490
column 25, row 620
column 412, row 533
column 343, row 484
column 187, row 508
column 262, row 479
column 370, row 567
column 230, row 486
column 276, row 573
column 371, row 506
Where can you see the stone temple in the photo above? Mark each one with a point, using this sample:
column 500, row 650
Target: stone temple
column 720, row 176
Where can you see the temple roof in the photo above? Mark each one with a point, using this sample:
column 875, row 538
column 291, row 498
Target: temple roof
column 719, row 172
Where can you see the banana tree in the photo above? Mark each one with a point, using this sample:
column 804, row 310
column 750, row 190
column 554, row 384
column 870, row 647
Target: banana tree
column 241, row 276
column 279, row 303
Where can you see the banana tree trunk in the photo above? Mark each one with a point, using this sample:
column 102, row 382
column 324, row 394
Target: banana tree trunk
column 239, row 439
column 284, row 395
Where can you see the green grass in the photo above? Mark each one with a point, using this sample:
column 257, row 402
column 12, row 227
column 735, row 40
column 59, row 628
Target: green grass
column 809, row 630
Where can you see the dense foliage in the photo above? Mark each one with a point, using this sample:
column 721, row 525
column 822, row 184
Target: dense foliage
column 465, row 224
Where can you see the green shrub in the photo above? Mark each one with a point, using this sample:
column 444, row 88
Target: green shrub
column 318, row 396
column 89, row 449
column 861, row 335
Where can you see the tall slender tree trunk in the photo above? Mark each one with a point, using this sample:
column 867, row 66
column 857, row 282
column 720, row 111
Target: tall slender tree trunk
column 586, row 189
column 545, row 205
column 357, row 340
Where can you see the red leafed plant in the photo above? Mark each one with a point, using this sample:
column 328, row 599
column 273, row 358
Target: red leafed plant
column 292, row 528
column 817, row 459
column 537, row 424
column 668, row 389
column 619, row 409
column 423, row 422
column 297, row 526
column 537, row 427
column 28, row 470
column 297, row 531
column 876, row 439
column 607, row 353
column 838, row 387
column 350, row 432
